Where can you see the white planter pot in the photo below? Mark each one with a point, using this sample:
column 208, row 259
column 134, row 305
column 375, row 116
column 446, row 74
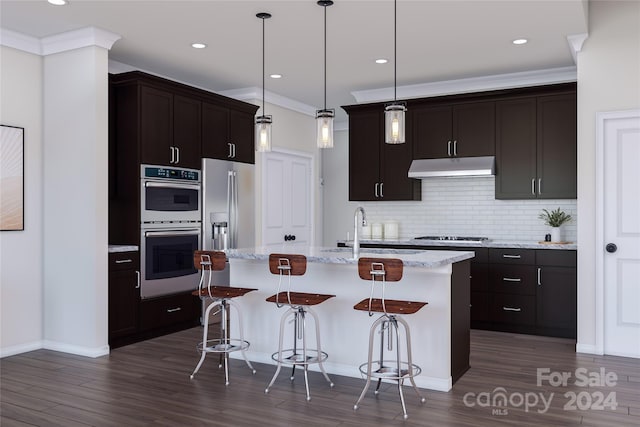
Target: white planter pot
column 556, row 235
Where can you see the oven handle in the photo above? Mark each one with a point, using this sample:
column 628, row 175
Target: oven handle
column 172, row 185
column 171, row 233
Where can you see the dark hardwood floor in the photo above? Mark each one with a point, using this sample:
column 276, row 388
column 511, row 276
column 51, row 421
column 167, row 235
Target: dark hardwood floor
column 148, row 384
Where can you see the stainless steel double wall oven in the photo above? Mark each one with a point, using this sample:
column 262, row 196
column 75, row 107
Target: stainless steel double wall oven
column 170, row 228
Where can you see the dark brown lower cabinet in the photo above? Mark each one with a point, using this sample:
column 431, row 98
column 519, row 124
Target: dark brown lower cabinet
column 124, row 295
column 175, row 311
column 556, row 295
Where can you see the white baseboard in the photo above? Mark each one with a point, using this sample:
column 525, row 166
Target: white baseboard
column 74, row 349
column 588, row 348
column 21, row 348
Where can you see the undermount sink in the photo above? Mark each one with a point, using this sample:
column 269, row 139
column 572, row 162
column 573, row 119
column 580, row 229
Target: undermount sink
column 373, row 251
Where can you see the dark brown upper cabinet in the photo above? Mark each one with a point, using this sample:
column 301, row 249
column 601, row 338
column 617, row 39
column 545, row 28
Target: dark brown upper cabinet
column 459, row 130
column 227, row 134
column 169, row 129
column 536, row 147
column 378, row 171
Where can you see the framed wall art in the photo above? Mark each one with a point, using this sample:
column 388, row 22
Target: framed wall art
column 11, row 178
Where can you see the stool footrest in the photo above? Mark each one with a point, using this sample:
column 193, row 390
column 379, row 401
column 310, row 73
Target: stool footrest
column 389, row 370
column 219, row 345
column 291, row 357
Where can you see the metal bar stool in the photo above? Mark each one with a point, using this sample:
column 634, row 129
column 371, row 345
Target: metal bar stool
column 299, row 303
column 208, row 262
column 380, row 271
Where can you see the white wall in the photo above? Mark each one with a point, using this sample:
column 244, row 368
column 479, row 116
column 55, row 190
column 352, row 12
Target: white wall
column 608, row 80
column 21, row 251
column 76, row 201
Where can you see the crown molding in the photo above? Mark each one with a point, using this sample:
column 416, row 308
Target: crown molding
column 255, row 93
column 20, row 41
column 474, row 84
column 90, row 36
column 575, row 44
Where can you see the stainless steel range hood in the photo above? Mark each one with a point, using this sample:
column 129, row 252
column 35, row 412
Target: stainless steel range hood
column 452, row 167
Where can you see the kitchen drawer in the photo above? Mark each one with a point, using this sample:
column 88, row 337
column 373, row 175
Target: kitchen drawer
column 169, row 310
column 512, row 256
column 479, row 277
column 124, row 261
column 556, row 258
column 513, row 309
column 513, row 279
column 480, row 306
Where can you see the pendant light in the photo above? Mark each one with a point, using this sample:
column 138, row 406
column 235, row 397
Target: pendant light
column 394, row 121
column 324, row 117
column 263, row 122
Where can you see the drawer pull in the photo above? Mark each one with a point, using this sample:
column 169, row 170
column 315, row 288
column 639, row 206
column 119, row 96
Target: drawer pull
column 511, row 309
column 539, row 271
column 509, row 279
column 123, row 261
column 511, row 256
column 173, row 310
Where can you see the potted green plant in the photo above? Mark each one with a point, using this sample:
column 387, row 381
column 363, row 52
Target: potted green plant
column 555, row 219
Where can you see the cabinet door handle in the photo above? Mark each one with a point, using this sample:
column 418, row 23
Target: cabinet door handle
column 173, row 155
column 376, row 190
column 230, row 150
column 138, row 279
column 533, row 186
column 233, row 145
column 449, row 148
column 455, row 148
column 539, row 281
column 173, row 310
column 511, row 309
column 513, row 280
column 381, row 193
column 123, row 261
column 177, row 154
column 539, row 185
column 511, row 256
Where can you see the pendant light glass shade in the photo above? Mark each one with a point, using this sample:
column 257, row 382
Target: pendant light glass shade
column 324, row 128
column 324, row 117
column 263, row 122
column 394, row 123
column 394, row 120
column 263, row 133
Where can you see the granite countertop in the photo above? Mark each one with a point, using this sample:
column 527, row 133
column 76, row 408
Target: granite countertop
column 410, row 258
column 122, row 248
column 514, row 244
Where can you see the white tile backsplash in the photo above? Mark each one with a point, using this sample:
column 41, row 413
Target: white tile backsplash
column 467, row 207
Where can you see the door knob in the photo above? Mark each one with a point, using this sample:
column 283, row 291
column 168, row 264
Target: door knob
column 611, row 247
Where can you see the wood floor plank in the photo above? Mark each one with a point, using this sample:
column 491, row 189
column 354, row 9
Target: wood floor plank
column 148, row 384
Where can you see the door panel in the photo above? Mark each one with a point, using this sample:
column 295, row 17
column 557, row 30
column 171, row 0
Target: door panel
column 621, row 205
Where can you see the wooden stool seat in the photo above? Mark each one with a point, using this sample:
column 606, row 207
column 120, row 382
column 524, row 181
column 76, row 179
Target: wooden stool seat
column 299, row 298
column 392, row 306
column 222, row 292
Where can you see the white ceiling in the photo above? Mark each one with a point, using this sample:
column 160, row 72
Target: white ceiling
column 437, row 40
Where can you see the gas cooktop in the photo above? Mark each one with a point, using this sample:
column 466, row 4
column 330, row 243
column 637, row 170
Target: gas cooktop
column 454, row 238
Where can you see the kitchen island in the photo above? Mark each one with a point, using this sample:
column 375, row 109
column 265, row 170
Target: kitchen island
column 439, row 331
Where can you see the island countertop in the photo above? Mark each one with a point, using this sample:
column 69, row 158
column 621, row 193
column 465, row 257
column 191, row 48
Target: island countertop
column 327, row 255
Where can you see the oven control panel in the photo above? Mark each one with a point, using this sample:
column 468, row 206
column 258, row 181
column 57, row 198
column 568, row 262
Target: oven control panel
column 171, row 173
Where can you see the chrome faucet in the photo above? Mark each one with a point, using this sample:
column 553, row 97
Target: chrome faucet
column 356, row 228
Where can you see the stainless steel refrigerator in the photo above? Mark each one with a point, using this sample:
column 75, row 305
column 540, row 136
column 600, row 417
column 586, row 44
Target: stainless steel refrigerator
column 228, row 209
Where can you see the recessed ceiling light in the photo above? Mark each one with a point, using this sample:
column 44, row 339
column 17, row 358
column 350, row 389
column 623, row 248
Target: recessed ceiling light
column 381, row 61
column 520, row 41
column 276, row 76
column 198, row 45
column 58, row 2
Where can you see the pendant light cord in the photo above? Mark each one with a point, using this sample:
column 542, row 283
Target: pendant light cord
column 325, row 57
column 263, row 112
column 395, row 50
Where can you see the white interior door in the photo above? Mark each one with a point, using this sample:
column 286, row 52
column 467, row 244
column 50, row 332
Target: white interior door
column 287, row 199
column 621, row 232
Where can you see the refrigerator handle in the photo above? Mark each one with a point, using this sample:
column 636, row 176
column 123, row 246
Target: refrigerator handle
column 230, row 207
column 235, row 209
